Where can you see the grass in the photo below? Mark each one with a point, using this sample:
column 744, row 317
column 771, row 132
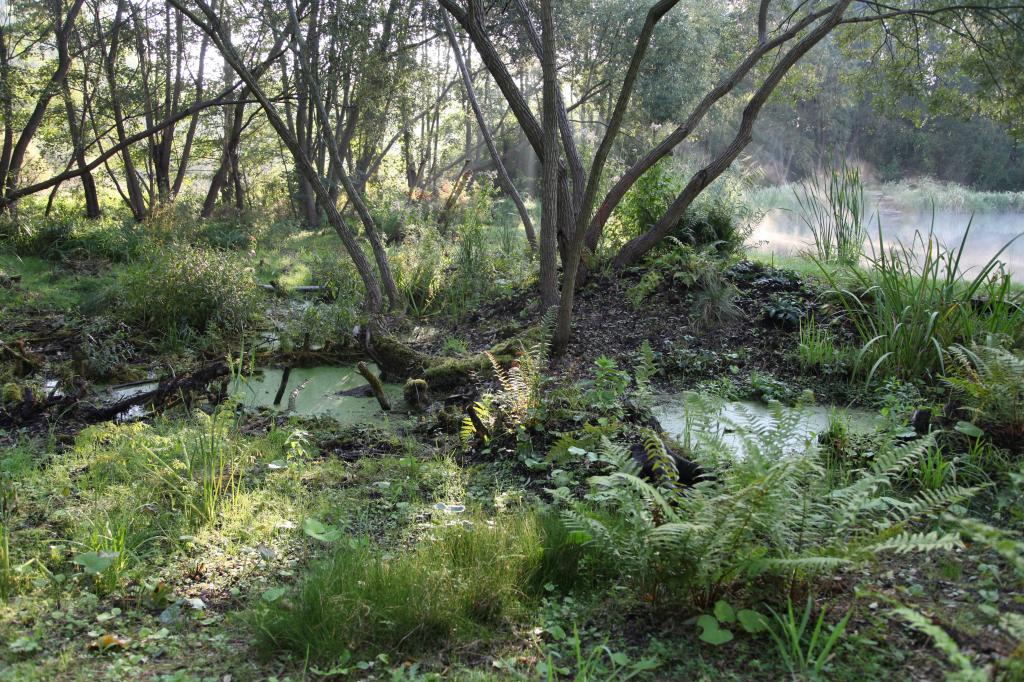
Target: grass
column 460, row 580
column 912, row 301
column 833, row 209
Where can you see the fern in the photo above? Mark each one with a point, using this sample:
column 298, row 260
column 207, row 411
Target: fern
column 944, row 643
column 990, row 381
column 904, row 543
column 770, row 511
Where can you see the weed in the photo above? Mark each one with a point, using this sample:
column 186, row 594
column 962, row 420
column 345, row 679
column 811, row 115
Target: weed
column 833, row 208
column 817, row 349
column 804, row 652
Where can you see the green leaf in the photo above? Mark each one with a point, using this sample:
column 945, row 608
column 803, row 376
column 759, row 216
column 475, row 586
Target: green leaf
column 320, row 531
column 968, row 429
column 724, row 612
column 711, row 632
column 752, row 621
column 619, row 658
column 95, row 562
column 273, row 594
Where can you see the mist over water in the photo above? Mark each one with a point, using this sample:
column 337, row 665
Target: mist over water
column 783, row 231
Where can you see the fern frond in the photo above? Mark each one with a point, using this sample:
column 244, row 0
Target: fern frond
column 918, row 542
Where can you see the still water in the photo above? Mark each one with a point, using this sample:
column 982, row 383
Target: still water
column 782, row 231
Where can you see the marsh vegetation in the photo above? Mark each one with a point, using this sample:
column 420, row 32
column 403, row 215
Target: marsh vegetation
column 383, row 340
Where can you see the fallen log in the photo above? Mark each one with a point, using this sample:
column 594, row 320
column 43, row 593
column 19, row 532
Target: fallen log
column 163, row 392
column 398, row 361
column 73, row 407
column 375, row 386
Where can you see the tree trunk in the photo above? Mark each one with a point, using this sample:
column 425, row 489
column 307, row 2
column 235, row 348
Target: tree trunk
column 549, row 188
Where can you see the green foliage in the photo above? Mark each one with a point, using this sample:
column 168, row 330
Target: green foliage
column 817, row 350
column 914, row 302
column 785, row 311
column 185, row 290
column 608, row 390
column 338, row 275
column 67, row 235
column 700, row 272
column 966, row 670
column 717, row 218
column 771, row 511
column 990, row 381
column 648, row 199
column 806, row 652
column 833, row 209
column 456, row 581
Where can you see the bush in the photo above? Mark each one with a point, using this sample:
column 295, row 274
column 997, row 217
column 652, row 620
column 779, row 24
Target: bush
column 181, row 289
column 67, row 235
column 457, row 580
column 718, row 217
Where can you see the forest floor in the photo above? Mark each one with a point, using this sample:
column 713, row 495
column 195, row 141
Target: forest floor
column 177, row 601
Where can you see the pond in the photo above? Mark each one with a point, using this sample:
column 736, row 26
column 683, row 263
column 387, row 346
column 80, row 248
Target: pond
column 783, row 231
column 687, row 412
column 323, row 393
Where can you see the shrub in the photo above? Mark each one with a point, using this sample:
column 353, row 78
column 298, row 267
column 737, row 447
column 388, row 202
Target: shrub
column 182, row 289
column 458, row 579
column 718, row 217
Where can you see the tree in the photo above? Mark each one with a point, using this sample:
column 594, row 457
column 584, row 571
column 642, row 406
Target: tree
column 780, row 35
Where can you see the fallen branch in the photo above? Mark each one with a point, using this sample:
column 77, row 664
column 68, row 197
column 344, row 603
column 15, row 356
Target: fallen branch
column 164, row 391
column 375, row 386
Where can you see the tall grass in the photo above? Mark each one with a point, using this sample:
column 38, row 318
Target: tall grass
column 914, row 301
column 457, row 582
column 833, row 209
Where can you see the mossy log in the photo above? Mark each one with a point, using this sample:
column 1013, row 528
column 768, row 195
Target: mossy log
column 375, row 386
column 399, row 362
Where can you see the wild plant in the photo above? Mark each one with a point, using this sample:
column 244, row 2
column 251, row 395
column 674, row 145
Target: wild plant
column 806, row 652
column 966, row 671
column 608, row 390
column 198, row 475
column 518, row 395
column 990, row 381
column 915, row 301
column 699, row 271
column 833, row 209
column 645, row 367
column 770, row 512
column 8, row 576
column 816, row 349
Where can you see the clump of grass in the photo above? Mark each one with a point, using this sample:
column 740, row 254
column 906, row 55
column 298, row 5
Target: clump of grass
column 914, row 301
column 833, row 208
column 67, row 235
column 457, row 582
column 180, row 290
column 817, row 348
